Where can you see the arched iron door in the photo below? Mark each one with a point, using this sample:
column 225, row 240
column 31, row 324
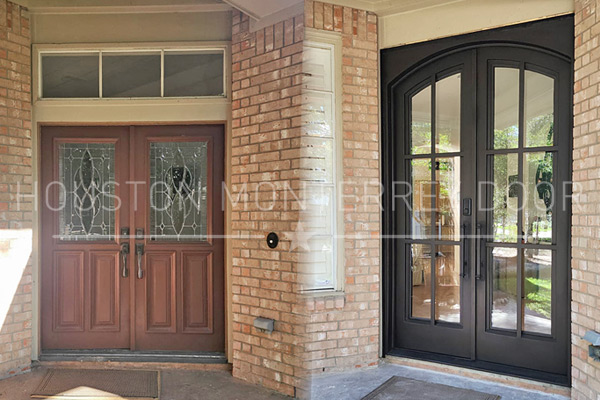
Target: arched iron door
column 476, row 226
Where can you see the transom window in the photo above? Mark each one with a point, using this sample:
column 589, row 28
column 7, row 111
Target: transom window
column 147, row 73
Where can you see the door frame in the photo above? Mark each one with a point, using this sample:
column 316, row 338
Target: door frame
column 398, row 64
column 39, row 200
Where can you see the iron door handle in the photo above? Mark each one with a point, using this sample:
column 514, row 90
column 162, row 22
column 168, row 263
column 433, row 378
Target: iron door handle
column 480, row 251
column 464, row 271
column 139, row 251
column 124, row 255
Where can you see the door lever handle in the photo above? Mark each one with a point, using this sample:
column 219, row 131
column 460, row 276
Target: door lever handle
column 464, row 271
column 481, row 251
column 139, row 251
column 124, row 255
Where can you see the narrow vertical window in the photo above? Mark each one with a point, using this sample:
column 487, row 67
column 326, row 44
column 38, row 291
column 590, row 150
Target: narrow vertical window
column 319, row 167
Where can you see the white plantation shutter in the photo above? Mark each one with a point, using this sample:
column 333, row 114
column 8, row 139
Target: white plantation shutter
column 319, row 167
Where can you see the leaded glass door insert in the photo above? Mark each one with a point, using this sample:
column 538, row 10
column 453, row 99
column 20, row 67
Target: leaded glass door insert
column 87, row 190
column 178, row 190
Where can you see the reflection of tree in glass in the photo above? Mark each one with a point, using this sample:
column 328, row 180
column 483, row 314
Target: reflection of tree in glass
column 420, row 133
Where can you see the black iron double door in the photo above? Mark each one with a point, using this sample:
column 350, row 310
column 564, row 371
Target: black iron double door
column 480, row 220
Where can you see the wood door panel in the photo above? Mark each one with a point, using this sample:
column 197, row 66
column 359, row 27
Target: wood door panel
column 68, row 291
column 196, row 292
column 196, row 301
column 160, row 292
column 105, row 299
column 84, row 305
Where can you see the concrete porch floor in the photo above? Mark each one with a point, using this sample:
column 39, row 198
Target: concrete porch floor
column 355, row 385
column 175, row 385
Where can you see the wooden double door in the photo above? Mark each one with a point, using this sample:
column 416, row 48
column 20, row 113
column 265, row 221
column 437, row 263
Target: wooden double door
column 132, row 238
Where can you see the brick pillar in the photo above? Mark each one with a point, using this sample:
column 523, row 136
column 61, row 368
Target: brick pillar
column 585, row 305
column 15, row 179
column 343, row 331
column 267, row 67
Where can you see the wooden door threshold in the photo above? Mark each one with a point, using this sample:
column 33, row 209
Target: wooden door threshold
column 133, row 357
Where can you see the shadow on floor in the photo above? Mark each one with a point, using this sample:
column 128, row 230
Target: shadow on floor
column 175, row 385
column 357, row 384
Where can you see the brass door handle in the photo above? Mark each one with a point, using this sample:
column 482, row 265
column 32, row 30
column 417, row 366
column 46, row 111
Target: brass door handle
column 139, row 251
column 124, row 254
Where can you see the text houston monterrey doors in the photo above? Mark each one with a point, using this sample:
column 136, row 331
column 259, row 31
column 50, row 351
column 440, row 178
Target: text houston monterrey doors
column 132, row 238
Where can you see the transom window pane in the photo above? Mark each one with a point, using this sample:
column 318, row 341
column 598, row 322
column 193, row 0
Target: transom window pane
column 447, row 114
column 70, row 75
column 420, row 124
column 150, row 73
column 131, row 75
column 506, row 108
column 193, row 74
column 539, row 110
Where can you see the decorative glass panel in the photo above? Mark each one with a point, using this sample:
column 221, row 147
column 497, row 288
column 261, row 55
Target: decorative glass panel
column 420, row 264
column 504, row 288
column 420, row 122
column 538, row 291
column 447, row 114
column 87, row 195
column 130, row 75
column 194, row 74
column 178, row 190
column 70, row 75
column 539, row 110
column 538, row 202
column 506, row 108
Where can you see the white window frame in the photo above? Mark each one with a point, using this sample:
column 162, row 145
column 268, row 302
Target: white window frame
column 129, row 48
column 332, row 41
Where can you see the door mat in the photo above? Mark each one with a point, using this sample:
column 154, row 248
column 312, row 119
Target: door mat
column 399, row 388
column 91, row 384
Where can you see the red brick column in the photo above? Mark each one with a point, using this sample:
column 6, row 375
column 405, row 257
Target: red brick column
column 585, row 305
column 343, row 331
column 267, row 67
column 15, row 179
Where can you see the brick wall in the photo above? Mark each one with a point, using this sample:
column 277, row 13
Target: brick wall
column 343, row 331
column 267, row 67
column 15, row 177
column 585, row 305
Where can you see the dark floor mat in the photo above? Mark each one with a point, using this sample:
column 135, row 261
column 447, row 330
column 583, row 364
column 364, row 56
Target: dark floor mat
column 91, row 384
column 399, row 388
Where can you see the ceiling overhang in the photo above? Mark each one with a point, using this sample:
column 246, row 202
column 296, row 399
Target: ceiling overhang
column 122, row 6
column 264, row 13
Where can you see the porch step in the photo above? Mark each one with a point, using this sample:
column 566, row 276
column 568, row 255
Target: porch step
column 165, row 357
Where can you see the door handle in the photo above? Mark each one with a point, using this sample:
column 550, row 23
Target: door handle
column 480, row 251
column 124, row 255
column 139, row 251
column 464, row 272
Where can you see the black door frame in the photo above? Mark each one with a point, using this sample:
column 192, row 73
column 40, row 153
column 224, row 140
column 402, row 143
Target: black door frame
column 553, row 36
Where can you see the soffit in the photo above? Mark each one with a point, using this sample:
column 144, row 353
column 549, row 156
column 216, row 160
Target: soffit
column 261, row 9
column 387, row 7
column 122, row 6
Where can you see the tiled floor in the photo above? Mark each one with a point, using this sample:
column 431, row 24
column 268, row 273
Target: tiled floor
column 175, row 385
column 354, row 385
